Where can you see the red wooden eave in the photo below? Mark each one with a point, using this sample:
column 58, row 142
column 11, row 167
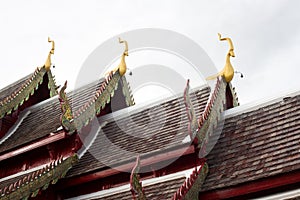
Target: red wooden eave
column 253, row 187
column 40, row 143
column 64, row 183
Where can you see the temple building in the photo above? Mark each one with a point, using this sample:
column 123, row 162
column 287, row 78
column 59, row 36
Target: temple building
column 76, row 145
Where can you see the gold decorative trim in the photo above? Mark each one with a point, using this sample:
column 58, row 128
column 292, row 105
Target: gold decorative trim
column 228, row 71
column 31, row 184
column 48, row 63
column 122, row 66
column 22, row 94
column 136, row 188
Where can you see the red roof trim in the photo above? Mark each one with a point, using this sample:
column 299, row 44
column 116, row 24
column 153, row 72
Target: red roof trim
column 253, row 187
column 125, row 167
column 204, row 116
column 35, row 145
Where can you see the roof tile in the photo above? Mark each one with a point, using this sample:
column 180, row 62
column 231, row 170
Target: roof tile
column 266, row 140
column 148, row 131
column 35, row 125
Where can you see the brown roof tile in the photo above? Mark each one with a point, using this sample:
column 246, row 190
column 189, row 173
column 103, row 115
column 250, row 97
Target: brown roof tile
column 139, row 133
column 14, row 95
column 44, row 118
column 8, row 90
column 256, row 144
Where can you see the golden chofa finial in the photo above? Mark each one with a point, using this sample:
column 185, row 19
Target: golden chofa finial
column 122, row 66
column 228, row 71
column 48, row 61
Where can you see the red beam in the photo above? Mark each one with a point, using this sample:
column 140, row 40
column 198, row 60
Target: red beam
column 64, row 183
column 253, row 187
column 34, row 145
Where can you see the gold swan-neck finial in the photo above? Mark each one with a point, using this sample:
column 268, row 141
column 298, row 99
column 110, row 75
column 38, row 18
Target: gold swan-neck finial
column 228, row 71
column 48, row 61
column 122, row 66
column 126, row 46
column 230, row 52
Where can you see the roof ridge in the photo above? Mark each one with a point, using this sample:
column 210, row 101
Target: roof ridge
column 28, row 87
column 248, row 107
column 143, row 106
column 73, row 121
column 211, row 116
column 16, row 82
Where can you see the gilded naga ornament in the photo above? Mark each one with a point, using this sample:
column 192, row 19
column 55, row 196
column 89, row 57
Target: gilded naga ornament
column 48, row 61
column 228, row 71
column 122, row 66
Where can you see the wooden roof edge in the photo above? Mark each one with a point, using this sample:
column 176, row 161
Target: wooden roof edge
column 127, row 92
column 235, row 98
column 253, row 187
column 251, row 106
column 148, row 182
column 118, row 168
column 212, row 115
column 23, row 93
column 31, row 184
column 42, row 142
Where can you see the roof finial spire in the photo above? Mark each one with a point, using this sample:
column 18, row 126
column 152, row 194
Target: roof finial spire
column 122, row 66
column 48, row 61
column 228, row 71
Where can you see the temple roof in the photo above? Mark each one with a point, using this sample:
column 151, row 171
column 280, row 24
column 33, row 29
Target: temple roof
column 124, row 131
column 256, row 143
column 32, row 124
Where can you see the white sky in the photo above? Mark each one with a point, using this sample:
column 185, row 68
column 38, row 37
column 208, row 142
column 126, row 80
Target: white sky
column 265, row 35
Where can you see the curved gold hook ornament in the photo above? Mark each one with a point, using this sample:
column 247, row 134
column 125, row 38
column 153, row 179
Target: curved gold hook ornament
column 122, row 66
column 48, row 61
column 231, row 52
column 228, row 71
column 126, row 46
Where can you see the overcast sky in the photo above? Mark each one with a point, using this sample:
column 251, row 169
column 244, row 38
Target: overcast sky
column 265, row 35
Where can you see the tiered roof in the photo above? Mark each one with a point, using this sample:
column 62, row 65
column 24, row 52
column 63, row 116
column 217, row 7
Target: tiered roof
column 253, row 146
column 124, row 131
column 172, row 136
column 46, row 120
column 138, row 133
